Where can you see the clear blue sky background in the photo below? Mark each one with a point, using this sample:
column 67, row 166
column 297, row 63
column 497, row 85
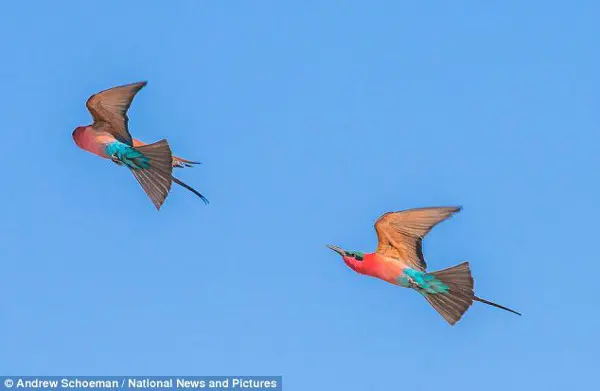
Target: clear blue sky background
column 311, row 119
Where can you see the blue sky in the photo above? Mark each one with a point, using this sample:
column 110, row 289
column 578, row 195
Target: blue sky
column 311, row 119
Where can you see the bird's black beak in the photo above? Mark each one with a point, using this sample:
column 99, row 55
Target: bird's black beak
column 337, row 249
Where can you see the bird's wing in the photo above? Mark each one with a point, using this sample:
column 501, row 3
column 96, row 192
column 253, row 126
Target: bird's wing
column 109, row 109
column 400, row 234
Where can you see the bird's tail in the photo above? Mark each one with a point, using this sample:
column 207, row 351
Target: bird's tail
column 190, row 188
column 479, row 299
column 454, row 295
column 181, row 162
column 156, row 177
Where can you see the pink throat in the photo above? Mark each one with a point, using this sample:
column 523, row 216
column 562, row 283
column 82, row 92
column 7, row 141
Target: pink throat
column 357, row 266
column 87, row 139
column 375, row 266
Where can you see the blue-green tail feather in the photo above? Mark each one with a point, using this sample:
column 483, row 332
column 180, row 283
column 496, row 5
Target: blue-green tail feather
column 127, row 155
column 422, row 282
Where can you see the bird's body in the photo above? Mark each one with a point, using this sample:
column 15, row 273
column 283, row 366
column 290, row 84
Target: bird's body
column 392, row 270
column 399, row 261
column 93, row 141
column 378, row 266
column 109, row 138
column 106, row 146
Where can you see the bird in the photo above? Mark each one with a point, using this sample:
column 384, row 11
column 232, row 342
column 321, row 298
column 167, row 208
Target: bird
column 108, row 137
column 399, row 260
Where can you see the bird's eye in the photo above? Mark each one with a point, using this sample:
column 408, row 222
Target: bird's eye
column 354, row 255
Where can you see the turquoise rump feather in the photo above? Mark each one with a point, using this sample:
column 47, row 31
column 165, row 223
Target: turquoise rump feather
column 127, row 155
column 424, row 283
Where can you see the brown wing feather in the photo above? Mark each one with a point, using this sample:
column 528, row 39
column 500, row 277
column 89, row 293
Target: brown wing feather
column 400, row 234
column 156, row 180
column 109, row 109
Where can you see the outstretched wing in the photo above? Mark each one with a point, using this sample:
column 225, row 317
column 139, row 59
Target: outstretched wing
column 400, row 234
column 109, row 109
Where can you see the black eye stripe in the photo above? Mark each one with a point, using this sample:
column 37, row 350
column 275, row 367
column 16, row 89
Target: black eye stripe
column 354, row 255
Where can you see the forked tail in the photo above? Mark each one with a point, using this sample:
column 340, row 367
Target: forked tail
column 181, row 162
column 495, row 305
column 156, row 177
column 190, row 188
column 457, row 294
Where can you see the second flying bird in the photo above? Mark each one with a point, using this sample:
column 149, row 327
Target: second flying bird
column 109, row 137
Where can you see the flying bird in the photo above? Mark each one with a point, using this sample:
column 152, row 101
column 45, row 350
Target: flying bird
column 108, row 137
column 399, row 261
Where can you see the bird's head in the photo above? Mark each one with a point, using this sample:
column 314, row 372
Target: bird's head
column 348, row 256
column 77, row 133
